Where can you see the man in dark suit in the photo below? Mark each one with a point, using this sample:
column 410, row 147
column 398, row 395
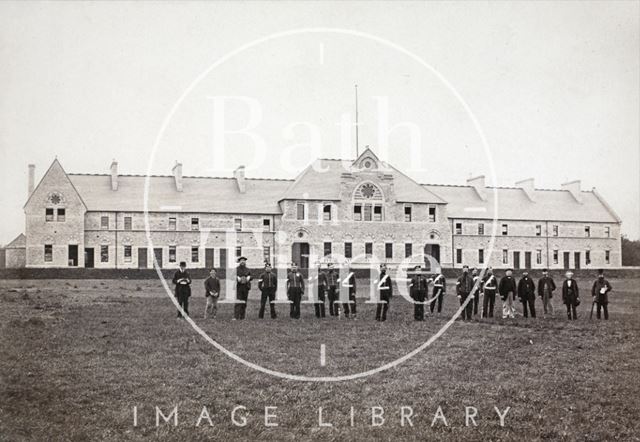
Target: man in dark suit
column 571, row 296
column 182, row 280
column 385, row 293
column 350, row 307
column 546, row 286
column 507, row 289
column 464, row 287
column 295, row 290
column 418, row 291
column 267, row 284
column 243, row 285
column 527, row 295
column 322, row 294
column 600, row 293
column 332, row 278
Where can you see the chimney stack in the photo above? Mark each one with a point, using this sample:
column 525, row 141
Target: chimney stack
column 32, row 179
column 177, row 174
column 239, row 176
column 478, row 184
column 114, row 175
column 527, row 187
column 574, row 189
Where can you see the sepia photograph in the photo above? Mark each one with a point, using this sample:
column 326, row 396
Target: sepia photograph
column 320, row 220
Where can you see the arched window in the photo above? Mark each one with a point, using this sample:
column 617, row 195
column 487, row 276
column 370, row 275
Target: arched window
column 367, row 205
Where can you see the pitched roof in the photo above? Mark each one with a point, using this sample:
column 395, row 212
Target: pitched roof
column 19, row 242
column 513, row 204
column 199, row 194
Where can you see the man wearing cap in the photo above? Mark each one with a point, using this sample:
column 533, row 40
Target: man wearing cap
column 439, row 290
column 322, row 294
column 527, row 295
column 464, row 287
column 295, row 290
column 489, row 287
column 350, row 307
column 600, row 293
column 546, row 286
column 570, row 295
column 385, row 293
column 182, row 280
column 418, row 291
column 267, row 284
column 332, row 290
column 507, row 290
column 476, row 298
column 243, row 284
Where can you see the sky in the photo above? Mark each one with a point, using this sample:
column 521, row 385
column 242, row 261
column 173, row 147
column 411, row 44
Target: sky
column 553, row 86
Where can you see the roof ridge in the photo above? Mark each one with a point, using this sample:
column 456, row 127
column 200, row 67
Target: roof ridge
column 185, row 176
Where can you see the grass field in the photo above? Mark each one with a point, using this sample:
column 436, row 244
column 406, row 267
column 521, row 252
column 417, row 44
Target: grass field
column 77, row 356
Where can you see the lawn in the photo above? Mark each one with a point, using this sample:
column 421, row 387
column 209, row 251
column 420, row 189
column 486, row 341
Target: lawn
column 77, row 356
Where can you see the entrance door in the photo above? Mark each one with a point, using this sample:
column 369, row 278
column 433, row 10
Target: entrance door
column 88, row 257
column 576, row 260
column 142, row 257
column 208, row 258
column 300, row 254
column 73, row 255
column 527, row 260
column 516, row 260
column 432, row 250
column 566, row 260
column 158, row 254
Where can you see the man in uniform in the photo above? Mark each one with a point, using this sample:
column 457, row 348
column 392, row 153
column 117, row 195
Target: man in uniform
column 385, row 293
column 350, row 307
column 439, row 290
column 267, row 284
column 182, row 280
column 243, row 284
column 332, row 278
column 507, row 290
column 476, row 298
column 527, row 295
column 295, row 290
column 546, row 286
column 570, row 295
column 600, row 293
column 322, row 293
column 418, row 291
column 464, row 287
column 489, row 287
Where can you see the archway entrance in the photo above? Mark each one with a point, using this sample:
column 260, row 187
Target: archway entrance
column 432, row 250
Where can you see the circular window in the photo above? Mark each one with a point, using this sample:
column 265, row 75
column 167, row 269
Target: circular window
column 55, row 198
column 300, row 234
column 367, row 164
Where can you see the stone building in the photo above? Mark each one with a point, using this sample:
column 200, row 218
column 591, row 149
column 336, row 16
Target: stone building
column 335, row 210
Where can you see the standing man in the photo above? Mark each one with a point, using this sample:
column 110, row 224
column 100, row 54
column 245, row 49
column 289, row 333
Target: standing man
column 212, row 293
column 507, row 290
column 385, row 293
column 350, row 307
column 182, row 280
column 322, row 293
column 546, row 286
column 489, row 287
column 476, row 298
column 570, row 295
column 527, row 295
column 295, row 290
column 418, row 293
column 267, row 284
column 464, row 287
column 439, row 290
column 332, row 290
column 600, row 293
column 243, row 284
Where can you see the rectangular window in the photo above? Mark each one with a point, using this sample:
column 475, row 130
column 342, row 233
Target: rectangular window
column 62, row 214
column 505, row 256
column 326, row 212
column 237, row 224
column 266, row 224
column 127, row 253
column 238, row 251
column 195, row 223
column 127, row 223
column 587, row 257
column 555, row 257
column 587, row 231
column 607, row 256
column 104, row 222
column 300, row 211
column 408, row 250
column 458, row 256
column 266, row 254
column 172, row 253
column 172, row 224
column 458, row 228
column 195, row 254
column 377, row 212
column 538, row 230
column 348, row 250
column 407, row 214
column 48, row 215
column 357, row 212
column 104, row 253
column 48, row 253
column 538, row 256
column 368, row 249
column 388, row 250
column 505, row 229
column 481, row 229
column 432, row 214
column 555, row 230
column 327, row 249
column 367, row 212
column 607, row 231
column 480, row 256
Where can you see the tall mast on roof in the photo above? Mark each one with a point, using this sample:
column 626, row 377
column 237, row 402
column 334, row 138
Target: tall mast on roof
column 357, row 143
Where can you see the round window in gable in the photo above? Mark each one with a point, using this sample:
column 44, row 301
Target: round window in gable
column 367, row 164
column 55, row 198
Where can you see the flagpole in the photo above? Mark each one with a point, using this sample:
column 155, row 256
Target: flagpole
column 357, row 141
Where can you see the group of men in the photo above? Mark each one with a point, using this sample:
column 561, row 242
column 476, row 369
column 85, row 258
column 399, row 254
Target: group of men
column 467, row 285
